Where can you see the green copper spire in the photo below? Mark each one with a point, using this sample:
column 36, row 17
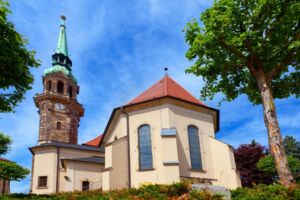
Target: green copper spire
column 62, row 44
column 61, row 61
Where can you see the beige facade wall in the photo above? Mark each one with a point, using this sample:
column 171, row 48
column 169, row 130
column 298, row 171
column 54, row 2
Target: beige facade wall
column 157, row 118
column 172, row 149
column 45, row 164
column 75, row 173
column 224, row 165
column 119, row 170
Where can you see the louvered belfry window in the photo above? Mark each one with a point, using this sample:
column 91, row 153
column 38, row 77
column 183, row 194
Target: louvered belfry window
column 145, row 147
column 194, row 145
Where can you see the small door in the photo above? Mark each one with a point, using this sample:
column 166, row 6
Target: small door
column 85, row 186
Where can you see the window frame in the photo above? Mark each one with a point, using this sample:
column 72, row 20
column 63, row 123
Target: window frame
column 60, row 87
column 139, row 148
column 39, row 185
column 192, row 167
column 58, row 125
column 49, row 86
column 70, row 91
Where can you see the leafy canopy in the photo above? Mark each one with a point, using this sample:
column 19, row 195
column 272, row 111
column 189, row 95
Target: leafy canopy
column 241, row 35
column 292, row 148
column 267, row 165
column 15, row 63
column 10, row 170
column 5, row 141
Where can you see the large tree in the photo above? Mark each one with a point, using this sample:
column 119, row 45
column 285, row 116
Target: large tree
column 250, row 47
column 15, row 63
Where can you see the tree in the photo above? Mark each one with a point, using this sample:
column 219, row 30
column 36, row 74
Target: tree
column 15, row 63
column 291, row 146
column 292, row 149
column 250, row 47
column 267, row 165
column 246, row 158
column 10, row 170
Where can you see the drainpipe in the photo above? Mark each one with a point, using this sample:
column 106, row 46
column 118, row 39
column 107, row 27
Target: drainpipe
column 57, row 170
column 128, row 146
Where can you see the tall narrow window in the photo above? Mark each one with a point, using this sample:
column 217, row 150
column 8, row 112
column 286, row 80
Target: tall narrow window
column 49, row 86
column 85, row 186
column 42, row 181
column 58, row 125
column 145, row 147
column 60, row 87
column 70, row 91
column 195, row 152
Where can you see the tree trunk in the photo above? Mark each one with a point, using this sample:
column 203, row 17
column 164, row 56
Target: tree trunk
column 274, row 134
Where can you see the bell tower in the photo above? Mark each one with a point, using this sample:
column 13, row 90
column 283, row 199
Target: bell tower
column 58, row 107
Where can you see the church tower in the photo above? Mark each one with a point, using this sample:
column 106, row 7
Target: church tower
column 58, row 107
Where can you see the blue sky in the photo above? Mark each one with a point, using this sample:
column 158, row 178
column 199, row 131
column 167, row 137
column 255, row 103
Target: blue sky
column 119, row 49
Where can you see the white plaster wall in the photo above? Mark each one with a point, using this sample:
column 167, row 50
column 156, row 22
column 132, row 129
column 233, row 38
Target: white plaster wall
column 45, row 165
column 157, row 117
column 224, row 166
column 181, row 118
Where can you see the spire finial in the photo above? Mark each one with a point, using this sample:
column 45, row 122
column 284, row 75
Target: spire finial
column 62, row 45
column 166, row 71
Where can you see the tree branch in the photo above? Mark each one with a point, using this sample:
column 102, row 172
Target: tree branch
column 287, row 60
column 232, row 50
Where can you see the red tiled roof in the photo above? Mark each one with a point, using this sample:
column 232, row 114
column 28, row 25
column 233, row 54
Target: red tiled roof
column 166, row 87
column 94, row 142
column 3, row 159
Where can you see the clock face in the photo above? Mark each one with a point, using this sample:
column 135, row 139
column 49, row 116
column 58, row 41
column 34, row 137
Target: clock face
column 59, row 106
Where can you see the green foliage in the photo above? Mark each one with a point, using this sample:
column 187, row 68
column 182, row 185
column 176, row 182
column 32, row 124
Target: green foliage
column 204, row 195
column 15, row 63
column 241, row 39
column 267, row 165
column 12, row 171
column 291, row 146
column 5, row 142
column 147, row 192
column 266, row 192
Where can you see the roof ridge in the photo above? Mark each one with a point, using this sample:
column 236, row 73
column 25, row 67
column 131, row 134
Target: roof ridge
column 166, row 85
column 187, row 91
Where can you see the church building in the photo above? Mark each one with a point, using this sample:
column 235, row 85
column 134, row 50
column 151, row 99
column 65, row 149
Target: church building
column 164, row 135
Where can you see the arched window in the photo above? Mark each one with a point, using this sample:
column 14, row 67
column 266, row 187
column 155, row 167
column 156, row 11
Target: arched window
column 195, row 152
column 85, row 186
column 70, row 91
column 145, row 147
column 49, row 86
column 58, row 125
column 60, row 87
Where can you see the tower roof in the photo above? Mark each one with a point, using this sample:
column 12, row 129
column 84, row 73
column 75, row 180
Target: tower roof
column 166, row 87
column 62, row 44
column 61, row 61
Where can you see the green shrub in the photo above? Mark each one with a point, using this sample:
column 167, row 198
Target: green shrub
column 147, row 192
column 204, row 195
column 267, row 192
